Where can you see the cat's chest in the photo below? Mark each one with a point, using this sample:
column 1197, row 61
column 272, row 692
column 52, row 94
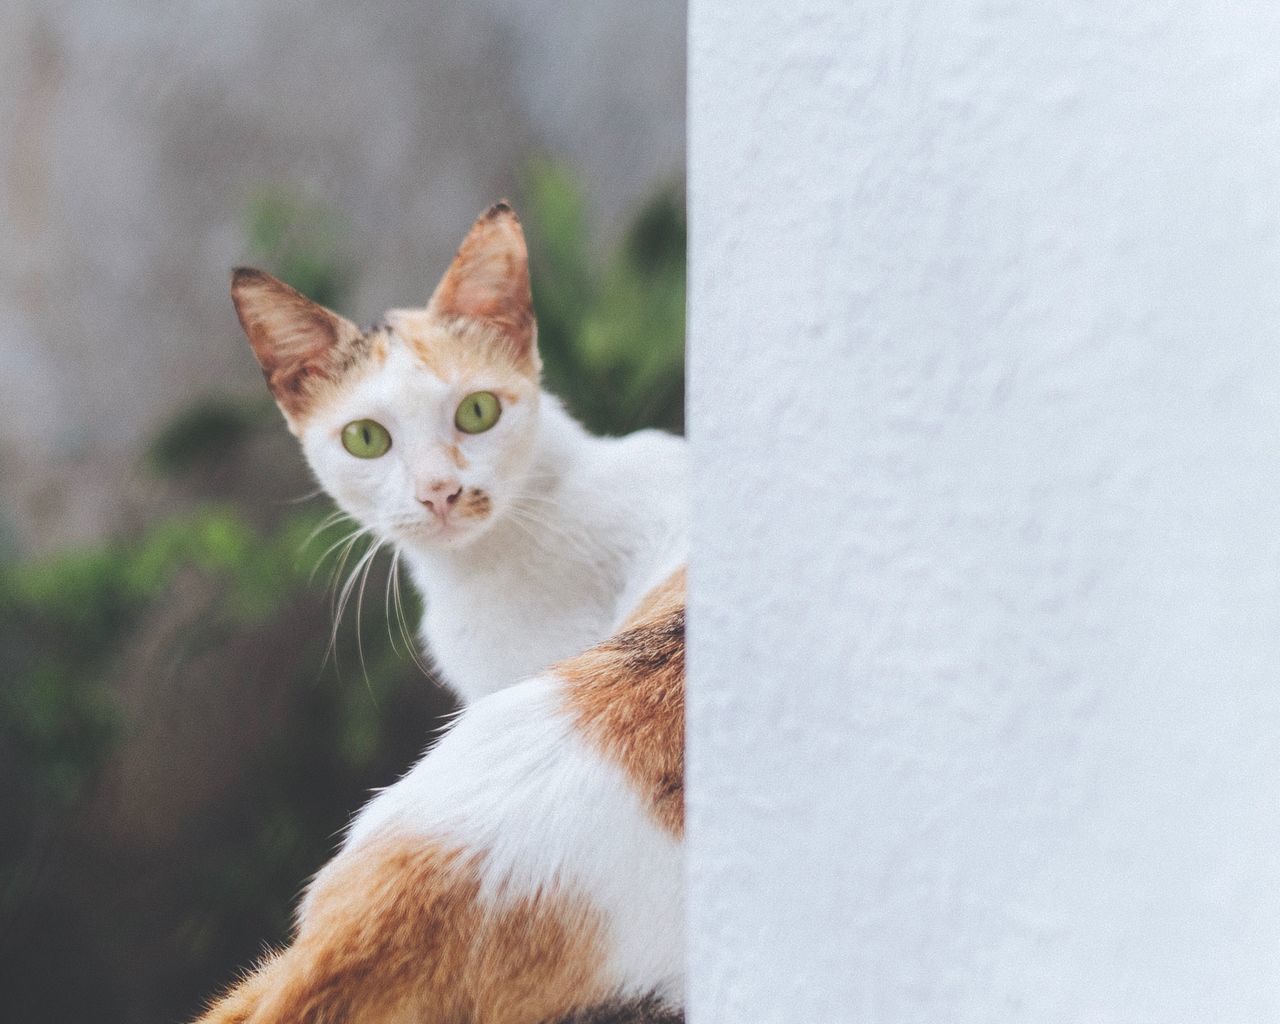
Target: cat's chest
column 488, row 633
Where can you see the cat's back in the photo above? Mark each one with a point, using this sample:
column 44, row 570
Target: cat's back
column 647, row 450
column 644, row 477
column 648, row 471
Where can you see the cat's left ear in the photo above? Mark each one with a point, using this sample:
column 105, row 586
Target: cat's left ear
column 488, row 282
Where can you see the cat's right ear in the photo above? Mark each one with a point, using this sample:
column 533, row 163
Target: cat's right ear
column 299, row 344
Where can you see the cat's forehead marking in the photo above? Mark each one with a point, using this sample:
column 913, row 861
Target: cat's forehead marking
column 378, row 347
column 452, row 350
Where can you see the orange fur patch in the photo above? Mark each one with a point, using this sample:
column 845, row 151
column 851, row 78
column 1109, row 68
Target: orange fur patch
column 394, row 933
column 475, row 505
column 423, row 341
column 627, row 694
column 459, row 350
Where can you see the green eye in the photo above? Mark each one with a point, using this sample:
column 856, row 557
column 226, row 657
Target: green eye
column 366, row 439
column 478, row 412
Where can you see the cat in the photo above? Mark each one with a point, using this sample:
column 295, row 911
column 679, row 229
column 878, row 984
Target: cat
column 528, row 869
column 528, row 538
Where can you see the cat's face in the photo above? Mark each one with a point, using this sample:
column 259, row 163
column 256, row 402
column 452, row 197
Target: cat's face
column 423, row 427
column 391, row 447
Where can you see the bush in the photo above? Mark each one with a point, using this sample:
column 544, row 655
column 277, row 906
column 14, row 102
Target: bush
column 612, row 339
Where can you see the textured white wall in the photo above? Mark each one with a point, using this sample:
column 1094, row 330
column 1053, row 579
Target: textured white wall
column 985, row 387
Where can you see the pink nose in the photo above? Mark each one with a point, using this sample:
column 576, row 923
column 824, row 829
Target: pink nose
column 440, row 495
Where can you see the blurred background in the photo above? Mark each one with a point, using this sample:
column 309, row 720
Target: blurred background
column 182, row 731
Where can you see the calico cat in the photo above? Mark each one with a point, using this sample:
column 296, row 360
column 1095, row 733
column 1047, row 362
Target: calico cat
column 528, row 869
column 528, row 538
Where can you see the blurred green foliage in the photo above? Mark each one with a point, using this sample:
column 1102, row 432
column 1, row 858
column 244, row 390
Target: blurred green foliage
column 64, row 624
column 205, row 433
column 611, row 336
column 121, row 929
column 61, row 621
column 300, row 241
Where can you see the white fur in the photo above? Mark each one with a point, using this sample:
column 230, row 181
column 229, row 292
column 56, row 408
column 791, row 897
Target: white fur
column 581, row 526
column 514, row 780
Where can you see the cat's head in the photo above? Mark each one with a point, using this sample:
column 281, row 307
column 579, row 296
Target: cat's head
column 423, row 426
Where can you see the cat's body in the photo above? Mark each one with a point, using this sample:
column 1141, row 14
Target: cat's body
column 528, row 869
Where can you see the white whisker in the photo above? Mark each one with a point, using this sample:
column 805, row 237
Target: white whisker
column 548, row 531
column 410, row 641
column 367, row 561
column 303, row 497
column 343, row 597
column 350, row 540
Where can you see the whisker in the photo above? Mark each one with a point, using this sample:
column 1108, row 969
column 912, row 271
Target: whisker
column 367, row 562
column 343, row 597
column 302, row 497
column 549, row 538
column 587, row 547
column 324, row 524
column 339, row 599
column 409, row 641
column 350, row 541
column 386, row 602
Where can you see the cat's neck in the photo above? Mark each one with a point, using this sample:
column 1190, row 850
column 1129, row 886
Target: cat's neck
column 541, row 584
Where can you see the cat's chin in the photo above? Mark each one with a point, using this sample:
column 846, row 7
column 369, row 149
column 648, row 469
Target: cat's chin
column 431, row 536
column 453, row 537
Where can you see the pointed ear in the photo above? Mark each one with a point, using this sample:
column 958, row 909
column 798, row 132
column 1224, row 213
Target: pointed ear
column 488, row 281
column 298, row 342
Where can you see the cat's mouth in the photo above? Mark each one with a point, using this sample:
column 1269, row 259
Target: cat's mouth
column 460, row 519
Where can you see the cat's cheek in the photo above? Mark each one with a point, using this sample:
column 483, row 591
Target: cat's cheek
column 516, row 454
column 359, row 490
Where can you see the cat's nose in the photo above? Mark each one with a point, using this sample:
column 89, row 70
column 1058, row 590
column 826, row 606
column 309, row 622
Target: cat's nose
column 440, row 495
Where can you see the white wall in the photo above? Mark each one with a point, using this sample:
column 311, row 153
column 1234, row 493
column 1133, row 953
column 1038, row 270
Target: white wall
column 985, row 390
